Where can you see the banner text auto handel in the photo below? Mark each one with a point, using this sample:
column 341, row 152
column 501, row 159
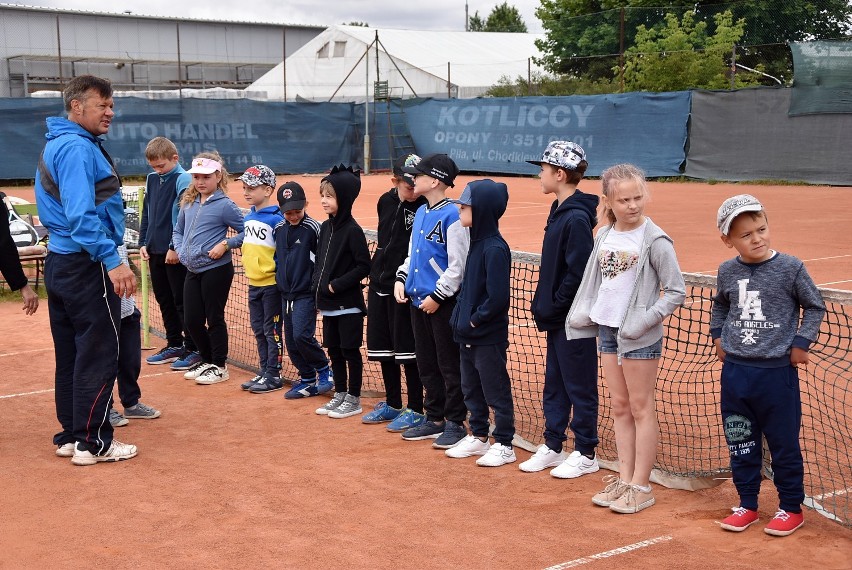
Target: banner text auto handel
column 190, row 139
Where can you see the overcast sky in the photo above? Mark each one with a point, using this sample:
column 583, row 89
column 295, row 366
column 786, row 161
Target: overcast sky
column 429, row 14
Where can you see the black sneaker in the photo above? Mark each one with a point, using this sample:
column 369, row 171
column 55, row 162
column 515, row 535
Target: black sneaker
column 427, row 430
column 453, row 434
column 266, row 385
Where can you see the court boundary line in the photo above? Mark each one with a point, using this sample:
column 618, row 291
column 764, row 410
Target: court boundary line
column 610, row 553
column 37, row 392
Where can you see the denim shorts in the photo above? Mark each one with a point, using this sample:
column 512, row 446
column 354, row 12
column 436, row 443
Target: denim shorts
column 608, row 344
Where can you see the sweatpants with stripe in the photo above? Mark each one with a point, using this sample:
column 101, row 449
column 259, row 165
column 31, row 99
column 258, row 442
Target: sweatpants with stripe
column 763, row 402
column 85, row 317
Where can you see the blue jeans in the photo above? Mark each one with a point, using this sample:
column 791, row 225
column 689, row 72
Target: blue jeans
column 608, row 344
column 570, row 385
column 265, row 317
column 485, row 384
column 299, row 317
column 85, row 320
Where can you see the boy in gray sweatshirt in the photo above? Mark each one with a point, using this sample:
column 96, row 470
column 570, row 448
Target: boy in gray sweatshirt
column 760, row 338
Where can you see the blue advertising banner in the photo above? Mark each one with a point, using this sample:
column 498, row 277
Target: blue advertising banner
column 287, row 137
column 499, row 135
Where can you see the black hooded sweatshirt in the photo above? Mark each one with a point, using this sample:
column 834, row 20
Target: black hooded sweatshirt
column 567, row 245
column 343, row 258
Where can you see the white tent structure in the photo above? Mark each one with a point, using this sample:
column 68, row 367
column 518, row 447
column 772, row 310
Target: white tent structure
column 340, row 64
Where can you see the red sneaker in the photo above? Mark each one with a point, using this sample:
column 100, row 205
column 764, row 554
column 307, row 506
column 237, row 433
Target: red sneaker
column 740, row 520
column 784, row 523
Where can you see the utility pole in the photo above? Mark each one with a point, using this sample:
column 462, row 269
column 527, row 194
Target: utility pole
column 466, row 19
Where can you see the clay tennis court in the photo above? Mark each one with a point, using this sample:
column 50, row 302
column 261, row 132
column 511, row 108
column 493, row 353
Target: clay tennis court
column 226, row 478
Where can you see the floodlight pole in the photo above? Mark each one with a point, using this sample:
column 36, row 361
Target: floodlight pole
column 367, row 113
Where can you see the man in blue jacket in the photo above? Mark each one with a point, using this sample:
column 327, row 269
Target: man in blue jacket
column 79, row 202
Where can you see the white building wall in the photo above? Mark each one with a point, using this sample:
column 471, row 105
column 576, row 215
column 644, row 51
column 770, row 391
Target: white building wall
column 125, row 39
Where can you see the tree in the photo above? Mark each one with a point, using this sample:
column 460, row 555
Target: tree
column 503, row 18
column 475, row 23
column 584, row 37
column 682, row 55
column 360, row 24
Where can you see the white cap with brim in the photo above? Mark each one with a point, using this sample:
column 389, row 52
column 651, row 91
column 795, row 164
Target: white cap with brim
column 205, row 166
column 733, row 207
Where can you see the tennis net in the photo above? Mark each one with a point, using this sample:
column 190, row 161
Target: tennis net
column 692, row 453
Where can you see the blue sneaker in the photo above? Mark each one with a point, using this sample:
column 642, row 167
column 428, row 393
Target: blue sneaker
column 249, row 383
column 381, row 413
column 325, row 380
column 186, row 361
column 304, row 388
column 407, row 419
column 165, row 355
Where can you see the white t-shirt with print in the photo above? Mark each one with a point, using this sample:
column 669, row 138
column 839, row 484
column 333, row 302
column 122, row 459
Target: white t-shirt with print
column 618, row 258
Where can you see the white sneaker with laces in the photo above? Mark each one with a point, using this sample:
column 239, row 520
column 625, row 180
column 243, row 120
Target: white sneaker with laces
column 468, row 447
column 542, row 459
column 575, row 466
column 213, row 375
column 196, row 370
column 117, row 452
column 498, row 455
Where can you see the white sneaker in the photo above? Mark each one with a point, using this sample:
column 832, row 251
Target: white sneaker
column 65, row 450
column 468, row 447
column 498, row 455
column 542, row 459
column 117, row 452
column 196, row 370
column 213, row 375
column 576, row 465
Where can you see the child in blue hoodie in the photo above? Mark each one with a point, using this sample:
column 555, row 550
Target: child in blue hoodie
column 258, row 254
column 570, row 395
column 480, row 323
column 200, row 240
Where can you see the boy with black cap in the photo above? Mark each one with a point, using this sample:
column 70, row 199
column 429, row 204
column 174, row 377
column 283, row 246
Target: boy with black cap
column 481, row 326
column 295, row 249
column 390, row 339
column 343, row 261
column 431, row 276
column 570, row 396
column 258, row 255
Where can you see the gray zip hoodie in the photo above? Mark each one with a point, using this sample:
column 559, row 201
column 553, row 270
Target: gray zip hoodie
column 643, row 322
column 200, row 226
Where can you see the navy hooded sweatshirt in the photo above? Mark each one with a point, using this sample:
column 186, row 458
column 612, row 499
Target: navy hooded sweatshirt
column 567, row 245
column 481, row 314
column 343, row 258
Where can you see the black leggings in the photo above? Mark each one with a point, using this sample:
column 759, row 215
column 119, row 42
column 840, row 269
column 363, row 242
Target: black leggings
column 204, row 297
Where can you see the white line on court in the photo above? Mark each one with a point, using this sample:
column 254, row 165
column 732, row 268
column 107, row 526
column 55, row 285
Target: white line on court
column 26, row 394
column 833, row 494
column 834, row 282
column 610, row 553
column 713, row 271
column 37, row 392
column 25, row 351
